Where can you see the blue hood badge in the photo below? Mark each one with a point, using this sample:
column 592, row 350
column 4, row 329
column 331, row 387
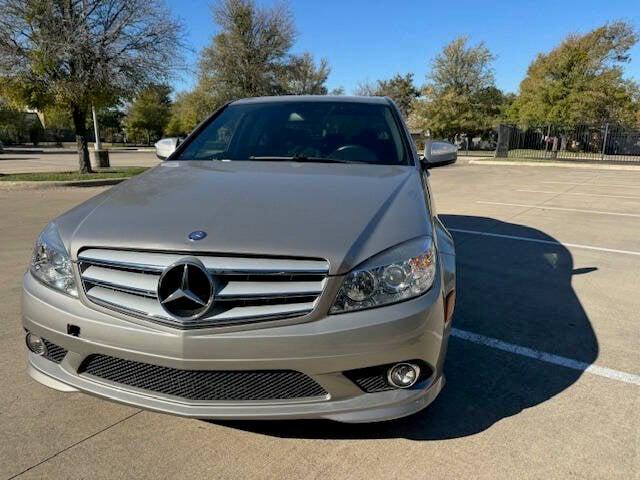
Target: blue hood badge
column 197, row 235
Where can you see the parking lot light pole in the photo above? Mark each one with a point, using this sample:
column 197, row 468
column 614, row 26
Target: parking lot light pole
column 98, row 144
column 100, row 156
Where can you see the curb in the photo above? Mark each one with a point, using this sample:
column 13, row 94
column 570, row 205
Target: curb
column 68, row 151
column 60, row 184
column 572, row 164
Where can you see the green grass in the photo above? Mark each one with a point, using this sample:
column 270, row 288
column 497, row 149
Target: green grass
column 529, row 154
column 121, row 172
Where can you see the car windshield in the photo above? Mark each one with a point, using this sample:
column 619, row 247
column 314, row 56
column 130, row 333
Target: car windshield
column 325, row 131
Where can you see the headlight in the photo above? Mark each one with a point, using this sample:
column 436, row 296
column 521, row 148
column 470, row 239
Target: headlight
column 395, row 275
column 51, row 263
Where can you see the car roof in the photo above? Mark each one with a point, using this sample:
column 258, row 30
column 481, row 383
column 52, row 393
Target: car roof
column 314, row 98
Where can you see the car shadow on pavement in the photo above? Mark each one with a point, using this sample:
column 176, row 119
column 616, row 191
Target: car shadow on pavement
column 517, row 291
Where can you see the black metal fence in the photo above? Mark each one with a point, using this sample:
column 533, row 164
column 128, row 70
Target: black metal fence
column 477, row 146
column 613, row 143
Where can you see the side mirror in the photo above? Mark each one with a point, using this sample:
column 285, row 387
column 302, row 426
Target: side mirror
column 425, row 161
column 166, row 146
column 439, row 152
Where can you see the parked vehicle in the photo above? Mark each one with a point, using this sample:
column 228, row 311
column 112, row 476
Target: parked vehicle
column 284, row 262
column 166, row 146
column 440, row 152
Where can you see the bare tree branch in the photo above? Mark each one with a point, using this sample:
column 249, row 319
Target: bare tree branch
column 75, row 53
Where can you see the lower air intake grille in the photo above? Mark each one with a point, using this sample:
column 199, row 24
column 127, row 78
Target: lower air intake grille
column 206, row 385
column 370, row 379
column 55, row 353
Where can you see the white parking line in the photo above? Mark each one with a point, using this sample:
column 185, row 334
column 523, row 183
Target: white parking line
column 546, row 357
column 549, row 242
column 593, row 184
column 582, row 194
column 545, row 207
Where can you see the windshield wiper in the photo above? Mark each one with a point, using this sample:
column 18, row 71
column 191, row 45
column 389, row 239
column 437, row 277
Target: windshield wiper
column 296, row 158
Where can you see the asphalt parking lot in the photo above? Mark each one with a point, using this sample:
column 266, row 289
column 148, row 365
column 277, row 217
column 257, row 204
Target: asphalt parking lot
column 543, row 369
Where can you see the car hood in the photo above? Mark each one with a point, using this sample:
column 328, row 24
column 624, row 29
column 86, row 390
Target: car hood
column 344, row 213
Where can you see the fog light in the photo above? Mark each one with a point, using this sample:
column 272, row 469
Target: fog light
column 36, row 344
column 403, row 375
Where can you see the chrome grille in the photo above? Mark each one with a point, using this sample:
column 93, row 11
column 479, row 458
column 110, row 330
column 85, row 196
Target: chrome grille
column 247, row 289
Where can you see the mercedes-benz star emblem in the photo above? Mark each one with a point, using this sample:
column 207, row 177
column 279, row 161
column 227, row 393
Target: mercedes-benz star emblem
column 186, row 290
column 197, row 235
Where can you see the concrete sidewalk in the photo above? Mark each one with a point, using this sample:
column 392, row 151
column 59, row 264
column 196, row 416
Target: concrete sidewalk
column 27, row 160
column 594, row 165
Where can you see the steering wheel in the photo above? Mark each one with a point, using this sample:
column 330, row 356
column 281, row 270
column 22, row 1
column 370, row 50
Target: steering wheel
column 353, row 153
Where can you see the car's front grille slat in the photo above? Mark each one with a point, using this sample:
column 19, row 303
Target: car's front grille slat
column 154, row 261
column 270, row 289
column 126, row 301
column 264, row 311
column 247, row 289
column 204, row 385
column 142, row 283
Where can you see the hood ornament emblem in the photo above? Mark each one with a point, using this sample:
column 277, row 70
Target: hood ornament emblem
column 186, row 290
column 197, row 235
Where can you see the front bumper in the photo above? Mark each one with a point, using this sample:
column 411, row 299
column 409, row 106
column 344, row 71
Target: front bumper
column 321, row 349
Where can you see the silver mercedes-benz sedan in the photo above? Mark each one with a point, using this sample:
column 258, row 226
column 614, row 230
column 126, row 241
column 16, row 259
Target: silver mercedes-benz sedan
column 285, row 261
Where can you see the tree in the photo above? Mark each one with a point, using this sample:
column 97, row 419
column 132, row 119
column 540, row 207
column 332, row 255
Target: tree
column 77, row 53
column 12, row 123
column 365, row 89
column 248, row 57
column 581, row 81
column 462, row 69
column 250, row 54
column 461, row 96
column 112, row 122
column 57, row 122
column 190, row 108
column 149, row 112
column 185, row 114
column 302, row 77
column 401, row 89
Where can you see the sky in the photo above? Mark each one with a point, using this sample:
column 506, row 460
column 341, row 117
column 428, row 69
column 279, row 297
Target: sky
column 369, row 40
